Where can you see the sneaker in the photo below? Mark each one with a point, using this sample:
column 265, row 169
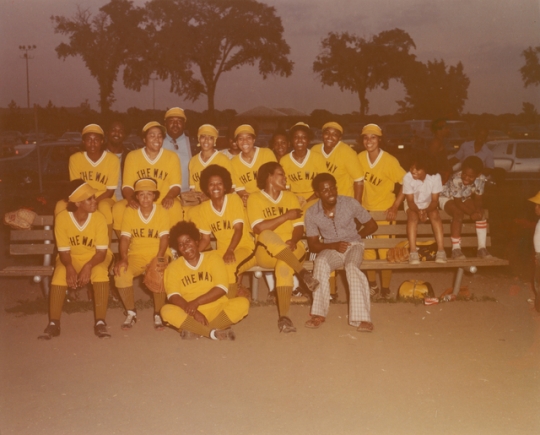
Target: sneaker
column 457, row 254
column 307, row 279
column 100, row 329
column 188, row 335
column 385, row 293
column 223, row 334
column 440, row 257
column 131, row 319
column 414, row 258
column 52, row 330
column 374, row 290
column 158, row 323
column 483, row 253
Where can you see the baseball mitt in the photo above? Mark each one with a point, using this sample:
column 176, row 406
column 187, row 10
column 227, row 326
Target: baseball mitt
column 153, row 277
column 21, row 219
column 398, row 254
column 190, row 198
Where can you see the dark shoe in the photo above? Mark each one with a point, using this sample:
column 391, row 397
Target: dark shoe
column 385, row 293
column 100, row 329
column 285, row 325
column 458, row 255
column 52, row 330
column 483, row 253
column 306, row 278
column 374, row 291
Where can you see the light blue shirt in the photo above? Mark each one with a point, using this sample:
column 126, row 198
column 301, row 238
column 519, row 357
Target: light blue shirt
column 183, row 150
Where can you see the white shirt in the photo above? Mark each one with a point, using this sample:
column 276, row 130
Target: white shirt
column 537, row 238
column 182, row 149
column 422, row 190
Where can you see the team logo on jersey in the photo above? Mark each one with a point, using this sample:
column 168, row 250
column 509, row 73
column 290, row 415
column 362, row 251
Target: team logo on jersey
column 196, row 277
column 81, row 240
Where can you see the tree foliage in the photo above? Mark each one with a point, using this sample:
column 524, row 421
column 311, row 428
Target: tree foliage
column 105, row 42
column 359, row 65
column 193, row 43
column 530, row 72
column 434, row 91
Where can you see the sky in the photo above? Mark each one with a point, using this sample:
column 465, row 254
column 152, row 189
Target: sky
column 487, row 36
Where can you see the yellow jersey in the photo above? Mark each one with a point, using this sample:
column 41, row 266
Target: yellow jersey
column 165, row 169
column 380, row 178
column 244, row 175
column 261, row 207
column 145, row 233
column 196, row 166
column 81, row 240
column 101, row 175
column 300, row 175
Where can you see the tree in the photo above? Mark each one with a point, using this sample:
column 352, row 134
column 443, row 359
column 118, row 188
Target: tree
column 105, row 42
column 433, row 91
column 530, row 72
column 359, row 65
column 196, row 42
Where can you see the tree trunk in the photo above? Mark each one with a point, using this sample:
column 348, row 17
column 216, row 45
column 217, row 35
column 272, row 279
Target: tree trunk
column 211, row 92
column 364, row 103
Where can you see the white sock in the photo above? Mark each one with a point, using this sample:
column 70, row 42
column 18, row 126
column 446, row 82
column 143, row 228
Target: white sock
column 456, row 243
column 481, row 233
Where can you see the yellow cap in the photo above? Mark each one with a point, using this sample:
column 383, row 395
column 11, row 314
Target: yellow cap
column 333, row 125
column 244, row 128
column 208, row 130
column 535, row 198
column 154, row 124
column 372, row 129
column 175, row 112
column 145, row 185
column 93, row 128
column 84, row 191
column 300, row 124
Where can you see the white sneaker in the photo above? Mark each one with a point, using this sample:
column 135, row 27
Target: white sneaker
column 131, row 319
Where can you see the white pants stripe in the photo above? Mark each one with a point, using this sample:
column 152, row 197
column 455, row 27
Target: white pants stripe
column 359, row 302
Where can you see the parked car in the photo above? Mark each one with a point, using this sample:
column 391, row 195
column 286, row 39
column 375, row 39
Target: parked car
column 516, row 156
column 397, row 135
column 73, row 136
column 11, row 137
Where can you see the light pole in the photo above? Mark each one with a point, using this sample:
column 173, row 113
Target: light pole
column 26, row 56
column 154, row 78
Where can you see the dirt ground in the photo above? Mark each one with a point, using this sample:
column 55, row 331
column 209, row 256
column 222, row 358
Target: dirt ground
column 454, row 368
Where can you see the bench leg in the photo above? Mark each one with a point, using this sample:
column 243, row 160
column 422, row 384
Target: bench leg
column 255, row 285
column 457, row 282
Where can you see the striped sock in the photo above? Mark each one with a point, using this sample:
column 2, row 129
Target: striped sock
column 288, row 257
column 159, row 301
column 284, row 299
column 56, row 301
column 191, row 325
column 386, row 277
column 233, row 288
column 481, row 233
column 456, row 242
column 128, row 297
column 222, row 321
column 101, row 299
column 372, row 276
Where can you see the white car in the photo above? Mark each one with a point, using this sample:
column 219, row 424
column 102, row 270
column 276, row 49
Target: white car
column 516, row 155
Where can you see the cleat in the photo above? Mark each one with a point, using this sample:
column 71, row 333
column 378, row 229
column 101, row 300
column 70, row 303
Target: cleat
column 100, row 329
column 131, row 319
column 52, row 330
column 458, row 255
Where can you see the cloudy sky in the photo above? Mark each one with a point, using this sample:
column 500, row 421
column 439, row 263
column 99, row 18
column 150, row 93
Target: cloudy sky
column 487, row 36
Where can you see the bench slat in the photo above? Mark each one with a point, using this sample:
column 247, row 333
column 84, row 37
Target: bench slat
column 42, row 235
column 27, row 271
column 402, row 215
column 466, row 242
column 31, row 249
column 401, row 229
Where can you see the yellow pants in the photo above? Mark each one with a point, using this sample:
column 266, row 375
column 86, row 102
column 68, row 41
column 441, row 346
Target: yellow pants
column 235, row 309
column 270, row 244
column 105, row 207
column 100, row 272
column 176, row 213
column 245, row 259
column 371, row 254
column 136, row 266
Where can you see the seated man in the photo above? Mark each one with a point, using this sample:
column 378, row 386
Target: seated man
column 196, row 287
column 333, row 219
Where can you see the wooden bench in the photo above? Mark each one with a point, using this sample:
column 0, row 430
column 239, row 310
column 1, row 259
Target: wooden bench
column 39, row 242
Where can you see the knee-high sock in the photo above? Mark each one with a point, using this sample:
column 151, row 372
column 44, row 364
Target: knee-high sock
column 284, row 300
column 159, row 301
column 221, row 321
column 386, row 277
column 233, row 288
column 190, row 324
column 56, row 301
column 128, row 297
column 288, row 257
column 481, row 233
column 101, row 299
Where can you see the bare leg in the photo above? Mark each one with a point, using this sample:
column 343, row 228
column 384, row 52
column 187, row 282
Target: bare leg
column 412, row 229
column 436, row 224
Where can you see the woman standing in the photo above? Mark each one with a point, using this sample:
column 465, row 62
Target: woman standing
column 83, row 257
column 144, row 235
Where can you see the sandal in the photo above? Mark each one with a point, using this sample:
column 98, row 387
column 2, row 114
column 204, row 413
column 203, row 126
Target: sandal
column 315, row 322
column 100, row 329
column 285, row 325
column 365, row 327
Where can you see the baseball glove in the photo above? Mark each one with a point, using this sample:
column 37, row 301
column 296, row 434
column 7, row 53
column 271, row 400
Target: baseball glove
column 398, row 254
column 153, row 276
column 190, row 198
column 21, row 219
